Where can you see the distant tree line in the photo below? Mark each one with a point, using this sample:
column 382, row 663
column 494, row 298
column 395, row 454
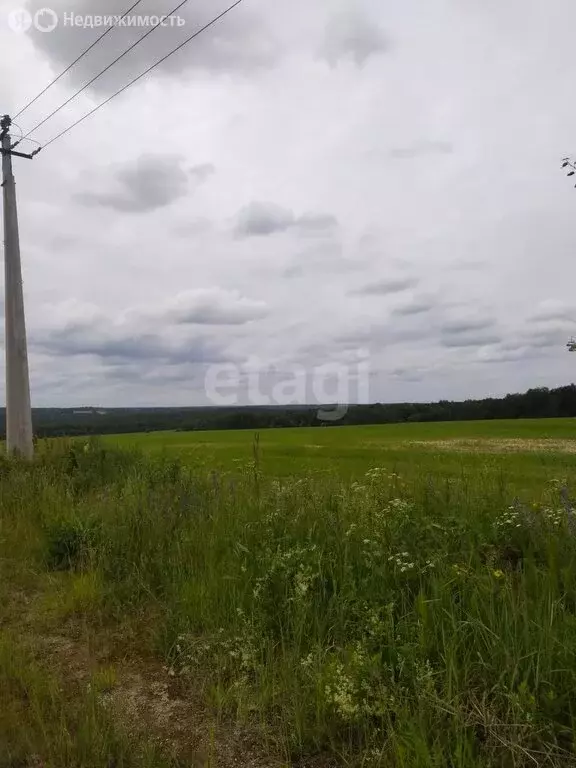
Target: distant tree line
column 535, row 403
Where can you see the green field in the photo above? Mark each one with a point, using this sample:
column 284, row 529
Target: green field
column 395, row 596
column 521, row 454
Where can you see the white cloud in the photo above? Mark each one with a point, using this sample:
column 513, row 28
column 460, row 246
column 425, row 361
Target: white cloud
column 351, row 33
column 395, row 164
column 214, row 306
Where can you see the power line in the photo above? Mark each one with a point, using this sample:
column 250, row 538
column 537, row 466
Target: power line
column 20, row 129
column 22, row 137
column 126, row 52
column 35, row 99
column 136, row 79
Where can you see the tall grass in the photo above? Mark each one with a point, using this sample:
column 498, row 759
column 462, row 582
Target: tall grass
column 378, row 623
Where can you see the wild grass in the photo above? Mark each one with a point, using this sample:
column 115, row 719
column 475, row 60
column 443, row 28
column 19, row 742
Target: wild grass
column 42, row 724
column 525, row 453
column 373, row 623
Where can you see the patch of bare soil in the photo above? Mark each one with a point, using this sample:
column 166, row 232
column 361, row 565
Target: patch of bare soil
column 148, row 701
column 496, row 445
column 150, row 704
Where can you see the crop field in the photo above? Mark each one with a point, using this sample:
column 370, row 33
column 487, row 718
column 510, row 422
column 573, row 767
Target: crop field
column 397, row 596
column 521, row 454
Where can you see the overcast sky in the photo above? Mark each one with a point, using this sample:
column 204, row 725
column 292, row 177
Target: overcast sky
column 305, row 183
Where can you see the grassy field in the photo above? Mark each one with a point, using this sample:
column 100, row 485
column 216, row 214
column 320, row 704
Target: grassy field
column 399, row 596
column 523, row 454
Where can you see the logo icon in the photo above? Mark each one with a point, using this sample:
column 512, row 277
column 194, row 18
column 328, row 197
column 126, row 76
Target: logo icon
column 20, row 20
column 45, row 20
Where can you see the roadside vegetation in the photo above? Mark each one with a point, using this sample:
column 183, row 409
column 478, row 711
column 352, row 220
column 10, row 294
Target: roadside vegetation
column 157, row 613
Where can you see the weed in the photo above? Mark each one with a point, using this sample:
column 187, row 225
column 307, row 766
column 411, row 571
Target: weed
column 391, row 621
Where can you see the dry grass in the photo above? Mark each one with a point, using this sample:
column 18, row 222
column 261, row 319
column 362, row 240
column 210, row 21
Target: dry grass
column 149, row 706
column 493, row 445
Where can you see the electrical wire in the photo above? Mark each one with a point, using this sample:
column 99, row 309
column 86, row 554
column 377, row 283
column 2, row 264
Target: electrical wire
column 20, row 129
column 25, row 139
column 136, row 79
column 15, row 144
column 22, row 138
column 102, row 36
column 87, row 85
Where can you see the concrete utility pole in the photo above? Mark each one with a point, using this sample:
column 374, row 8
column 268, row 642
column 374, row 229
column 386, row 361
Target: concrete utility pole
column 18, row 410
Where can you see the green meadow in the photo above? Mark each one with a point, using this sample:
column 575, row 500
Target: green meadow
column 392, row 596
column 519, row 453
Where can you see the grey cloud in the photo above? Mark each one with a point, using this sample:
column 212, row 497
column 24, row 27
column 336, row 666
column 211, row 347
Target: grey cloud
column 351, row 34
column 293, row 271
column 62, row 242
column 320, row 255
column 192, row 227
column 146, row 184
column 202, row 172
column 261, row 219
column 124, row 345
column 507, row 354
column 422, row 148
column 456, row 327
column 382, row 335
column 470, row 341
column 385, row 287
column 554, row 312
column 143, row 336
column 310, row 222
column 459, row 265
column 240, row 42
column 505, row 357
column 415, row 308
column 480, row 208
column 549, row 326
column 406, row 374
column 173, row 373
column 543, row 338
column 526, row 346
column 512, row 346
